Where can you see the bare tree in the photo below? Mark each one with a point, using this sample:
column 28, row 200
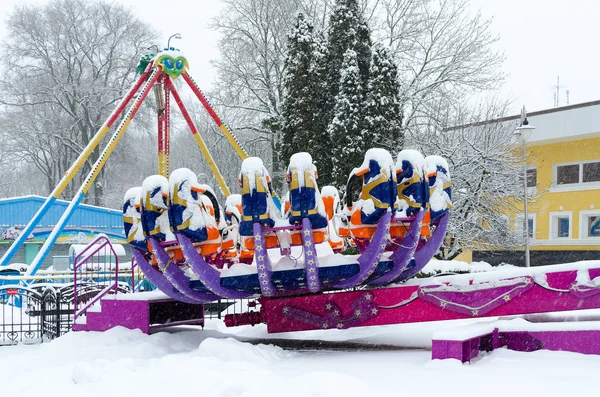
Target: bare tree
column 444, row 50
column 70, row 62
column 487, row 175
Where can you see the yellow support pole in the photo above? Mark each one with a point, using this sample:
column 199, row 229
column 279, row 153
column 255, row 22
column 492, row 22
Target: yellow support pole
column 198, row 138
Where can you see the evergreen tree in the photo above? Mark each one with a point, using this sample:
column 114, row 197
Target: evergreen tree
column 349, row 143
column 303, row 128
column 347, row 30
column 299, row 103
column 321, row 144
column 383, row 121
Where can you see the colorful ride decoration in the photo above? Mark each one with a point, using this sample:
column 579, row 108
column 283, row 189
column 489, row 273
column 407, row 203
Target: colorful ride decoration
column 251, row 248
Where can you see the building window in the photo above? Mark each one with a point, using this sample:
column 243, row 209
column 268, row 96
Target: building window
column 530, row 224
column 566, row 174
column 589, row 224
column 563, row 226
column 531, row 177
column 585, row 175
column 591, row 172
column 560, row 225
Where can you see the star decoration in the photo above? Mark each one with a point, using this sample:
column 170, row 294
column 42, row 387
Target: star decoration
column 357, row 313
column 307, row 232
column 307, row 243
column 475, row 312
column 259, row 247
column 262, row 267
column 383, row 246
column 263, row 275
column 313, row 278
column 368, row 297
column 336, row 313
column 328, row 306
column 506, row 298
column 528, row 281
column 257, row 237
column 286, row 310
column 340, row 325
column 264, row 282
column 261, row 258
column 374, row 311
column 325, row 325
column 309, row 253
column 442, row 304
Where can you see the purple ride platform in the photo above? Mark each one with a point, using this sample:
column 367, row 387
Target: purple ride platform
column 465, row 344
column 147, row 311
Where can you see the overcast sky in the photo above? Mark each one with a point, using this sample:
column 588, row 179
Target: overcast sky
column 541, row 40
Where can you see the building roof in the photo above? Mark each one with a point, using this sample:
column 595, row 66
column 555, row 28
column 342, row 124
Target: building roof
column 578, row 121
column 18, row 211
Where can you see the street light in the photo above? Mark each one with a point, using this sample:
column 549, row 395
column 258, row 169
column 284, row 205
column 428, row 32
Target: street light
column 523, row 133
column 175, row 36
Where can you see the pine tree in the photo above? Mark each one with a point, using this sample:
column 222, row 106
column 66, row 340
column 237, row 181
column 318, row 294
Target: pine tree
column 299, row 103
column 347, row 30
column 303, row 125
column 321, row 144
column 349, row 143
column 383, row 121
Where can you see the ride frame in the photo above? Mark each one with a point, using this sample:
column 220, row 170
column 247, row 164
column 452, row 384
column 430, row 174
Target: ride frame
column 160, row 77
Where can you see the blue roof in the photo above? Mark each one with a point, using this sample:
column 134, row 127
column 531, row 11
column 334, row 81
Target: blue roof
column 18, row 211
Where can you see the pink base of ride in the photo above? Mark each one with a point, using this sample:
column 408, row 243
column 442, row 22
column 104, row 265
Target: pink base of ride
column 539, row 290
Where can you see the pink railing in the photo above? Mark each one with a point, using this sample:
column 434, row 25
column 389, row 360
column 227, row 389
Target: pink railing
column 93, row 275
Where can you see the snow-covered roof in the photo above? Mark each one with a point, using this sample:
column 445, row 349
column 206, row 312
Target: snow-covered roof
column 579, row 121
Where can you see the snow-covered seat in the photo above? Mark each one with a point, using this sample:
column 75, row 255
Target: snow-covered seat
column 378, row 192
column 257, row 201
column 413, row 191
column 305, row 198
column 331, row 201
column 132, row 219
column 233, row 216
column 440, row 186
column 155, row 214
column 194, row 211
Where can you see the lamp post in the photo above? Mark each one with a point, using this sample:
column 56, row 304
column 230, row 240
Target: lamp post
column 175, row 36
column 523, row 133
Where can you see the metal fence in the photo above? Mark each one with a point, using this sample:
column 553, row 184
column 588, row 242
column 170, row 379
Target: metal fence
column 32, row 315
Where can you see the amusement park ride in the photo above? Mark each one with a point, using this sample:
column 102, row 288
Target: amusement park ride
column 288, row 254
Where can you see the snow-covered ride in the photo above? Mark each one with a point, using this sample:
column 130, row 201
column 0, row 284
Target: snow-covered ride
column 261, row 250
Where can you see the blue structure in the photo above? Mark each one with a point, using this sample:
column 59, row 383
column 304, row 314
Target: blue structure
column 86, row 222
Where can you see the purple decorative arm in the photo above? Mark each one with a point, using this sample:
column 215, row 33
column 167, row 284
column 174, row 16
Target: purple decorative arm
column 263, row 263
column 175, row 275
column 428, row 250
column 404, row 252
column 370, row 258
column 311, row 263
column 159, row 279
column 208, row 275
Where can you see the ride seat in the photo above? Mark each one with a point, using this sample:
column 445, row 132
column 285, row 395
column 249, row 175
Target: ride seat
column 304, row 198
column 440, row 186
column 257, row 202
column 194, row 212
column 132, row 219
column 378, row 192
column 413, row 191
column 331, row 201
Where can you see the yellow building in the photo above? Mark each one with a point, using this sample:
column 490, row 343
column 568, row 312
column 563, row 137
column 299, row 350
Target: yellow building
column 563, row 158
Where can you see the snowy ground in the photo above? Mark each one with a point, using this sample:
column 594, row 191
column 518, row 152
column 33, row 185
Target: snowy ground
column 221, row 362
